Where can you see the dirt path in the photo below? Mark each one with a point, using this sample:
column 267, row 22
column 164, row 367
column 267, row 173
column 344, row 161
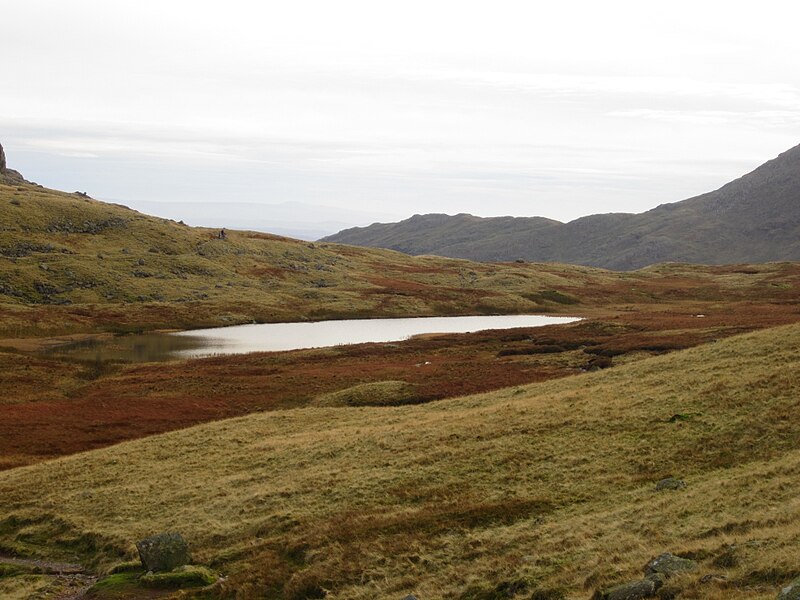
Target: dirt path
column 73, row 580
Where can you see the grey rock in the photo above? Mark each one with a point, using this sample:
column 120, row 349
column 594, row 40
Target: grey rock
column 791, row 591
column 668, row 564
column 658, row 579
column 8, row 176
column 633, row 590
column 410, row 597
column 163, row 552
column 670, row 483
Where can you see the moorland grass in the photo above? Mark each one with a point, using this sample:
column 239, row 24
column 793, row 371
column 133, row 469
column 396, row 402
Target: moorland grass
column 542, row 487
column 70, row 264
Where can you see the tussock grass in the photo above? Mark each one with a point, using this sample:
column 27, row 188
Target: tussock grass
column 24, row 587
column 551, row 485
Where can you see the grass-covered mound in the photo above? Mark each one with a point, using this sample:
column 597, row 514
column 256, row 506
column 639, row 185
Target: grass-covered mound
column 378, row 393
column 548, row 488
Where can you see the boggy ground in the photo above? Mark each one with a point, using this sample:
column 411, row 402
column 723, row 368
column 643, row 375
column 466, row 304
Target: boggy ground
column 55, row 407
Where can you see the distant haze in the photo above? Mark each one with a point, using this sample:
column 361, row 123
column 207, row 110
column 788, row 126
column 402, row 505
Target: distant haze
column 382, row 110
column 291, row 219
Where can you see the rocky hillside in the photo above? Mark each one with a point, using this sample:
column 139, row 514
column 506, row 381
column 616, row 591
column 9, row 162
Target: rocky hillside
column 755, row 218
column 8, row 176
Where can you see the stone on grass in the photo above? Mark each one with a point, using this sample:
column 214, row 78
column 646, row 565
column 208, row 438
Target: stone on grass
column 670, row 483
column 668, row 564
column 163, row 552
column 410, row 597
column 633, row 590
column 791, row 591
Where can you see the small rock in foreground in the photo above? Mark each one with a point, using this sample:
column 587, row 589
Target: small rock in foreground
column 669, row 564
column 670, row 483
column 791, row 591
column 163, row 552
column 634, row 590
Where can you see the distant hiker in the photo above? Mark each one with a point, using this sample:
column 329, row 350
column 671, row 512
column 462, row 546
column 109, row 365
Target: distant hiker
column 222, row 235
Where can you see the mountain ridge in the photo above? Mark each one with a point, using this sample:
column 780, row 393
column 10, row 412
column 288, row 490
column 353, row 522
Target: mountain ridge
column 755, row 218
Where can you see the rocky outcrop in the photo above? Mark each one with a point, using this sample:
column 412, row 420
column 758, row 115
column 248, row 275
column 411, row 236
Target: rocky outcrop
column 657, row 572
column 668, row 564
column 8, row 176
column 791, row 591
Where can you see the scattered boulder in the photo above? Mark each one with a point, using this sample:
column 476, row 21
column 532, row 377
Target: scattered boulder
column 633, row 590
column 410, row 597
column 668, row 565
column 163, row 552
column 8, row 176
column 670, row 483
column 791, row 591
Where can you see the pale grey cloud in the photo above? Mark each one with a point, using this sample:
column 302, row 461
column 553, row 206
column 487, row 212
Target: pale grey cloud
column 757, row 118
column 559, row 109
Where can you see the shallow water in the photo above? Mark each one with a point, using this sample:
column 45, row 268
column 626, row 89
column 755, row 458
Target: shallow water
column 272, row 337
column 317, row 334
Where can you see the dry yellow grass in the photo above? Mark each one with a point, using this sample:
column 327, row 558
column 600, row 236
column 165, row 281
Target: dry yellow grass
column 551, row 485
column 70, row 264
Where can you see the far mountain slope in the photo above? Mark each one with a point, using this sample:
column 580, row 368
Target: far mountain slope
column 755, row 218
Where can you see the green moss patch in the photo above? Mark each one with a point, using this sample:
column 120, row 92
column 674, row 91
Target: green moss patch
column 182, row 577
column 114, row 586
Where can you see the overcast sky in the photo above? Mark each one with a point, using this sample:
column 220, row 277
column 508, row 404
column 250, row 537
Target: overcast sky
column 558, row 109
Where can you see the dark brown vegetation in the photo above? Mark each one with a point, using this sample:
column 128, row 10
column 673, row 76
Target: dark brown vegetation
column 53, row 407
column 71, row 266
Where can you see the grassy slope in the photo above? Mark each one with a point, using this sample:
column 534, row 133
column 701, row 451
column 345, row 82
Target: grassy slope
column 71, row 264
column 551, row 484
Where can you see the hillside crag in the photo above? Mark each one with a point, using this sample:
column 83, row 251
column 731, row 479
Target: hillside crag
column 8, row 176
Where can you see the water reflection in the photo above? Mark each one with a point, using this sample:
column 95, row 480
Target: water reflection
column 271, row 337
column 150, row 347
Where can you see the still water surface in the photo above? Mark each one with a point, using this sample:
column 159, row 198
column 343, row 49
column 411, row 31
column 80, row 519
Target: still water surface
column 271, row 337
